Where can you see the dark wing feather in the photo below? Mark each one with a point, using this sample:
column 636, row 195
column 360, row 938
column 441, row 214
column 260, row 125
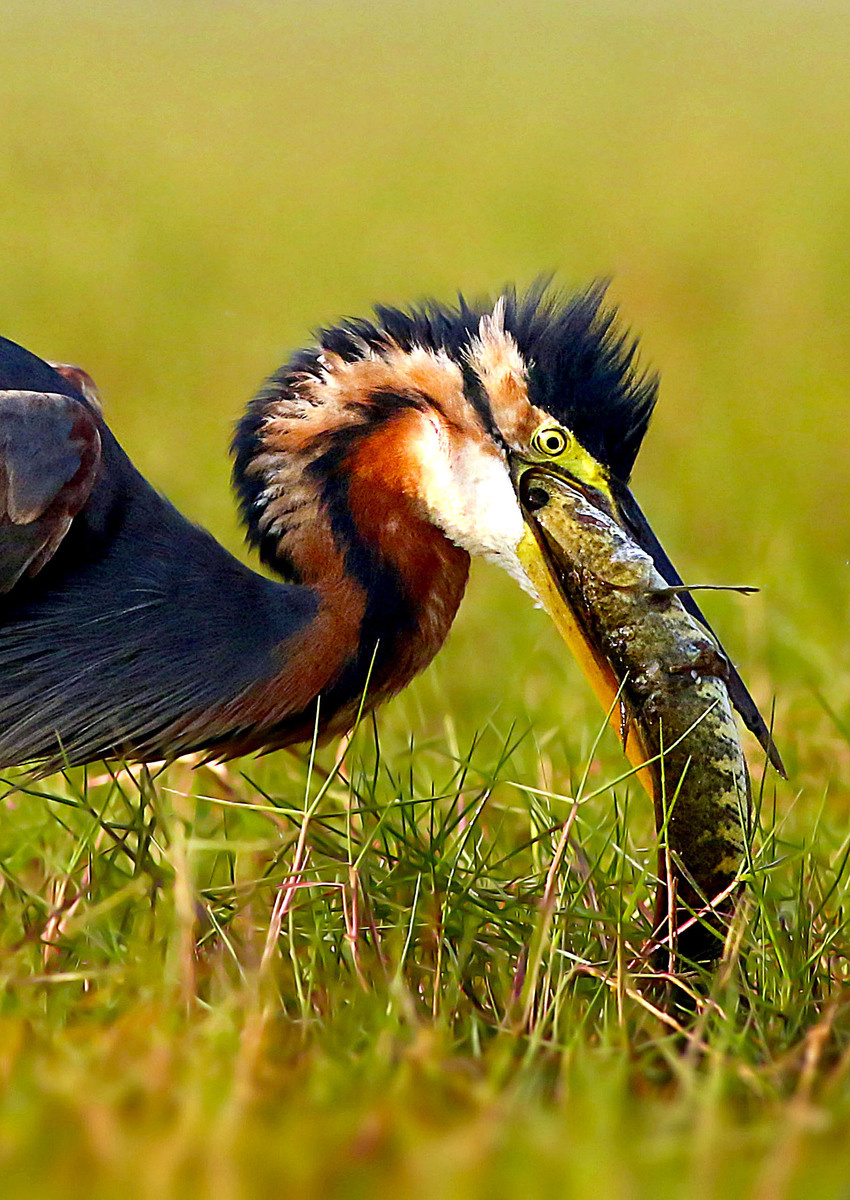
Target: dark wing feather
column 49, row 456
column 138, row 628
column 21, row 370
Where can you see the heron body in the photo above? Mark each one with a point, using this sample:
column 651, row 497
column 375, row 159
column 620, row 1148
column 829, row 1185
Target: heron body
column 367, row 470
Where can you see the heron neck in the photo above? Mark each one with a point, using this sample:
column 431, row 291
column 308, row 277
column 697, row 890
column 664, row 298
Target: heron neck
column 389, row 608
column 389, row 584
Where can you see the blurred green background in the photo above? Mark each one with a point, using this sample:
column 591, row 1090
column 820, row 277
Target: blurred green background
column 187, row 190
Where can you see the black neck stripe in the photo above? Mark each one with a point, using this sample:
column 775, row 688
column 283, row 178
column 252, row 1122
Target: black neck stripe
column 476, row 394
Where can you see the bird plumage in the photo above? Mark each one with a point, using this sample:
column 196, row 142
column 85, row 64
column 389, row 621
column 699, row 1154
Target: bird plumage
column 367, row 470
column 139, row 622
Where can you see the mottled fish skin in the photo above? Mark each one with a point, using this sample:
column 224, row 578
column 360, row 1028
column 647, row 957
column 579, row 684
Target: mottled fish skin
column 671, row 672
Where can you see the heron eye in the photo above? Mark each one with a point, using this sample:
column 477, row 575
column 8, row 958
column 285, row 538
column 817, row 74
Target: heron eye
column 550, row 440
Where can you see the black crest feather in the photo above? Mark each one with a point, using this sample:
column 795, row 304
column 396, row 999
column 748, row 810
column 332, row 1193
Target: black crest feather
column 582, row 365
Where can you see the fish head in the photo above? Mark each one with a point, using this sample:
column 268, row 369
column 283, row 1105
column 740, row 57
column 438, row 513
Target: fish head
column 562, row 488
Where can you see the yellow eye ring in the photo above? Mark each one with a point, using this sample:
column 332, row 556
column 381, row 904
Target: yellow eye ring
column 550, row 440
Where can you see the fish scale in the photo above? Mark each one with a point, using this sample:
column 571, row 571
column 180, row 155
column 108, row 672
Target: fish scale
column 670, row 672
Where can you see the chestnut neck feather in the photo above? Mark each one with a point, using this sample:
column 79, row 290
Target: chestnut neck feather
column 336, row 512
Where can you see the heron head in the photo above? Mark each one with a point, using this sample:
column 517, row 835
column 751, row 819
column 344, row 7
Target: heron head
column 438, row 419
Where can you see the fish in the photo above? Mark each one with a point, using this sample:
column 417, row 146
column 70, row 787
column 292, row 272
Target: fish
column 673, row 710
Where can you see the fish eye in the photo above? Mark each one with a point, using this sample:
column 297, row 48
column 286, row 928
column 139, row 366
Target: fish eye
column 550, row 440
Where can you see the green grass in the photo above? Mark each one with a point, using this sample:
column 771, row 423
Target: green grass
column 450, row 996
column 183, row 195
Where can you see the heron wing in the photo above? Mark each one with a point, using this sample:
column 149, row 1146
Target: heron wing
column 49, row 456
column 124, row 628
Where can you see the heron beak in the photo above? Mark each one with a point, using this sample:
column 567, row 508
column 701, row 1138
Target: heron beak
column 538, row 560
